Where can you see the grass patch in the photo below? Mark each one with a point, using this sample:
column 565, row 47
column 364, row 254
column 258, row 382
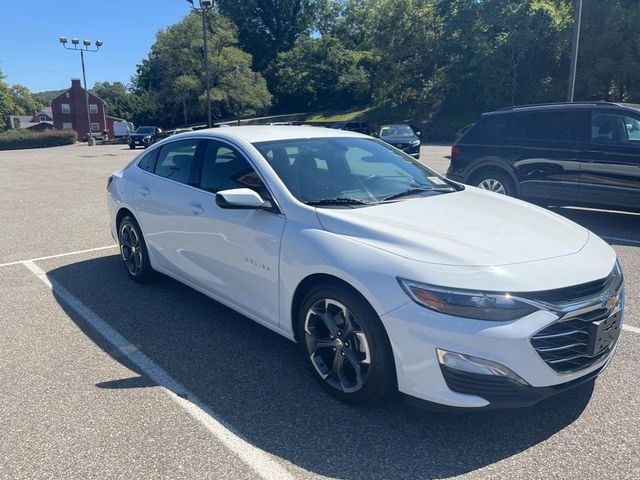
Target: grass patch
column 20, row 138
column 339, row 116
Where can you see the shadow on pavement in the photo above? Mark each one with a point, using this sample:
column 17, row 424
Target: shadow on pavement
column 258, row 382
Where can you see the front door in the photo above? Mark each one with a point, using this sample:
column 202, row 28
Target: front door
column 234, row 253
column 610, row 168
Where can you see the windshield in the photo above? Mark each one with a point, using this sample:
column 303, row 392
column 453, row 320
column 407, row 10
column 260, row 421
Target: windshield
column 145, row 130
column 396, row 131
column 348, row 171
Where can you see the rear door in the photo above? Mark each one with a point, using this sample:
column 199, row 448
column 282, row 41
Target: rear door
column 610, row 171
column 164, row 202
column 544, row 149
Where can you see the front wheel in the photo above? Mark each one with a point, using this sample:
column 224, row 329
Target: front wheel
column 346, row 346
column 133, row 251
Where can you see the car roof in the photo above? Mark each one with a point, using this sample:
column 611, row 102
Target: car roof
column 395, row 125
column 265, row 133
column 561, row 106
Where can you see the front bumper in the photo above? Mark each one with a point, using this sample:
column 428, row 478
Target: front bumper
column 416, row 332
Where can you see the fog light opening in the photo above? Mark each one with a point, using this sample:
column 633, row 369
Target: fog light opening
column 479, row 366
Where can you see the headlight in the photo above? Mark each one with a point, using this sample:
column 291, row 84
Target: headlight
column 147, row 138
column 415, row 143
column 493, row 306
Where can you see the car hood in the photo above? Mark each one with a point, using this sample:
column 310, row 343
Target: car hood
column 399, row 139
column 467, row 228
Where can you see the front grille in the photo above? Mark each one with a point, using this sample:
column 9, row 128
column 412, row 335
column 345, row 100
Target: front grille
column 566, row 345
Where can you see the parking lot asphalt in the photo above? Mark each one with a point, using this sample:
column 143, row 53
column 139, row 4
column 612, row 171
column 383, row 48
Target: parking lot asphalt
column 103, row 378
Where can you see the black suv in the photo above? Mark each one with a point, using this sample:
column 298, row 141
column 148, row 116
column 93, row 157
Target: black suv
column 555, row 154
column 144, row 136
column 360, row 127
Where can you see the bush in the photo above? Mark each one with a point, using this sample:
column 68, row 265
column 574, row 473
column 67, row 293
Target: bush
column 20, row 138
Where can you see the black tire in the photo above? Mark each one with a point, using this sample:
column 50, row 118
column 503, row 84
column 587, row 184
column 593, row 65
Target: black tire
column 487, row 178
column 132, row 147
column 134, row 252
column 378, row 375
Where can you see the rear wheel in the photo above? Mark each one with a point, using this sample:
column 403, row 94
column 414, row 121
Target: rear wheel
column 133, row 251
column 346, row 346
column 495, row 181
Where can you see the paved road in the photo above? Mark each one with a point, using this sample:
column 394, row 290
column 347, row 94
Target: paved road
column 177, row 386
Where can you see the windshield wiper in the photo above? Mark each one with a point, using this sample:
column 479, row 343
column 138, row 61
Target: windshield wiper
column 413, row 191
column 338, row 201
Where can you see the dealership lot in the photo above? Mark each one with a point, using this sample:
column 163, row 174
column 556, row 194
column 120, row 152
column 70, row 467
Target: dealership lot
column 106, row 378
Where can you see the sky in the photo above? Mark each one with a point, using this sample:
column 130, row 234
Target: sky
column 30, row 53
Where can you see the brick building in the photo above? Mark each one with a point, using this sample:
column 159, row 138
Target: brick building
column 69, row 111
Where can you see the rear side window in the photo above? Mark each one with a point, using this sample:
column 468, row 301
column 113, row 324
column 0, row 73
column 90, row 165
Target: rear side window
column 176, row 160
column 567, row 126
column 490, row 129
column 148, row 161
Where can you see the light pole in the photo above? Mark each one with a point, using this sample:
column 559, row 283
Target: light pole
column 577, row 19
column 85, row 48
column 204, row 6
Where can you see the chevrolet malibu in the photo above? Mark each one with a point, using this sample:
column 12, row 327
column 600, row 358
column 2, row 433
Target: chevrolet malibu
column 388, row 275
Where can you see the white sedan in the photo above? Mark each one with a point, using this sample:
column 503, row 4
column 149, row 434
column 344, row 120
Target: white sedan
column 390, row 276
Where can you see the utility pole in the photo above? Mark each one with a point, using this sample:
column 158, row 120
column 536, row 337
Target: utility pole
column 577, row 19
column 86, row 44
column 204, row 6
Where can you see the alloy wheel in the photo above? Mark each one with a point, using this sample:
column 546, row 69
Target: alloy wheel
column 337, row 345
column 492, row 185
column 131, row 249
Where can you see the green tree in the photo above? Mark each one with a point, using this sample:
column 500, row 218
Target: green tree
column 320, row 73
column 172, row 76
column 120, row 101
column 7, row 104
column 24, row 102
column 268, row 27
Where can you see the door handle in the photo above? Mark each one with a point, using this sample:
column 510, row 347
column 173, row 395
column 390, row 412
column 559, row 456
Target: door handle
column 144, row 191
column 196, row 208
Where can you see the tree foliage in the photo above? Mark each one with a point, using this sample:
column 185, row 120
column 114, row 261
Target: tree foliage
column 171, row 79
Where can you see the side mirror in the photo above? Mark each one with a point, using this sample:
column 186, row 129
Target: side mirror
column 239, row 198
column 375, row 135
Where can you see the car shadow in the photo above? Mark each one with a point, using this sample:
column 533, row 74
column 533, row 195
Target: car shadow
column 618, row 228
column 259, row 384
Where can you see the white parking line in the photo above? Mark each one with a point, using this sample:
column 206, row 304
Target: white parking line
column 631, row 329
column 261, row 462
column 77, row 252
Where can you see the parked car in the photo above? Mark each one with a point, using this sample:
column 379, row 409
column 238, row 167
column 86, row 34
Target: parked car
column 401, row 136
column 555, row 154
column 144, row 136
column 390, row 276
column 360, row 127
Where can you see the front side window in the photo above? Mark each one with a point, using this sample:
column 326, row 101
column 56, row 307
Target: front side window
column 176, row 160
column 224, row 168
column 358, row 170
column 66, row 108
column 613, row 128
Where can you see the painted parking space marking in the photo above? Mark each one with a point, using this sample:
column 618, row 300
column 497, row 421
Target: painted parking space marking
column 261, row 462
column 59, row 255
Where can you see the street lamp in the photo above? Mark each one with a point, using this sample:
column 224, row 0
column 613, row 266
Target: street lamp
column 85, row 48
column 574, row 49
column 204, row 6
